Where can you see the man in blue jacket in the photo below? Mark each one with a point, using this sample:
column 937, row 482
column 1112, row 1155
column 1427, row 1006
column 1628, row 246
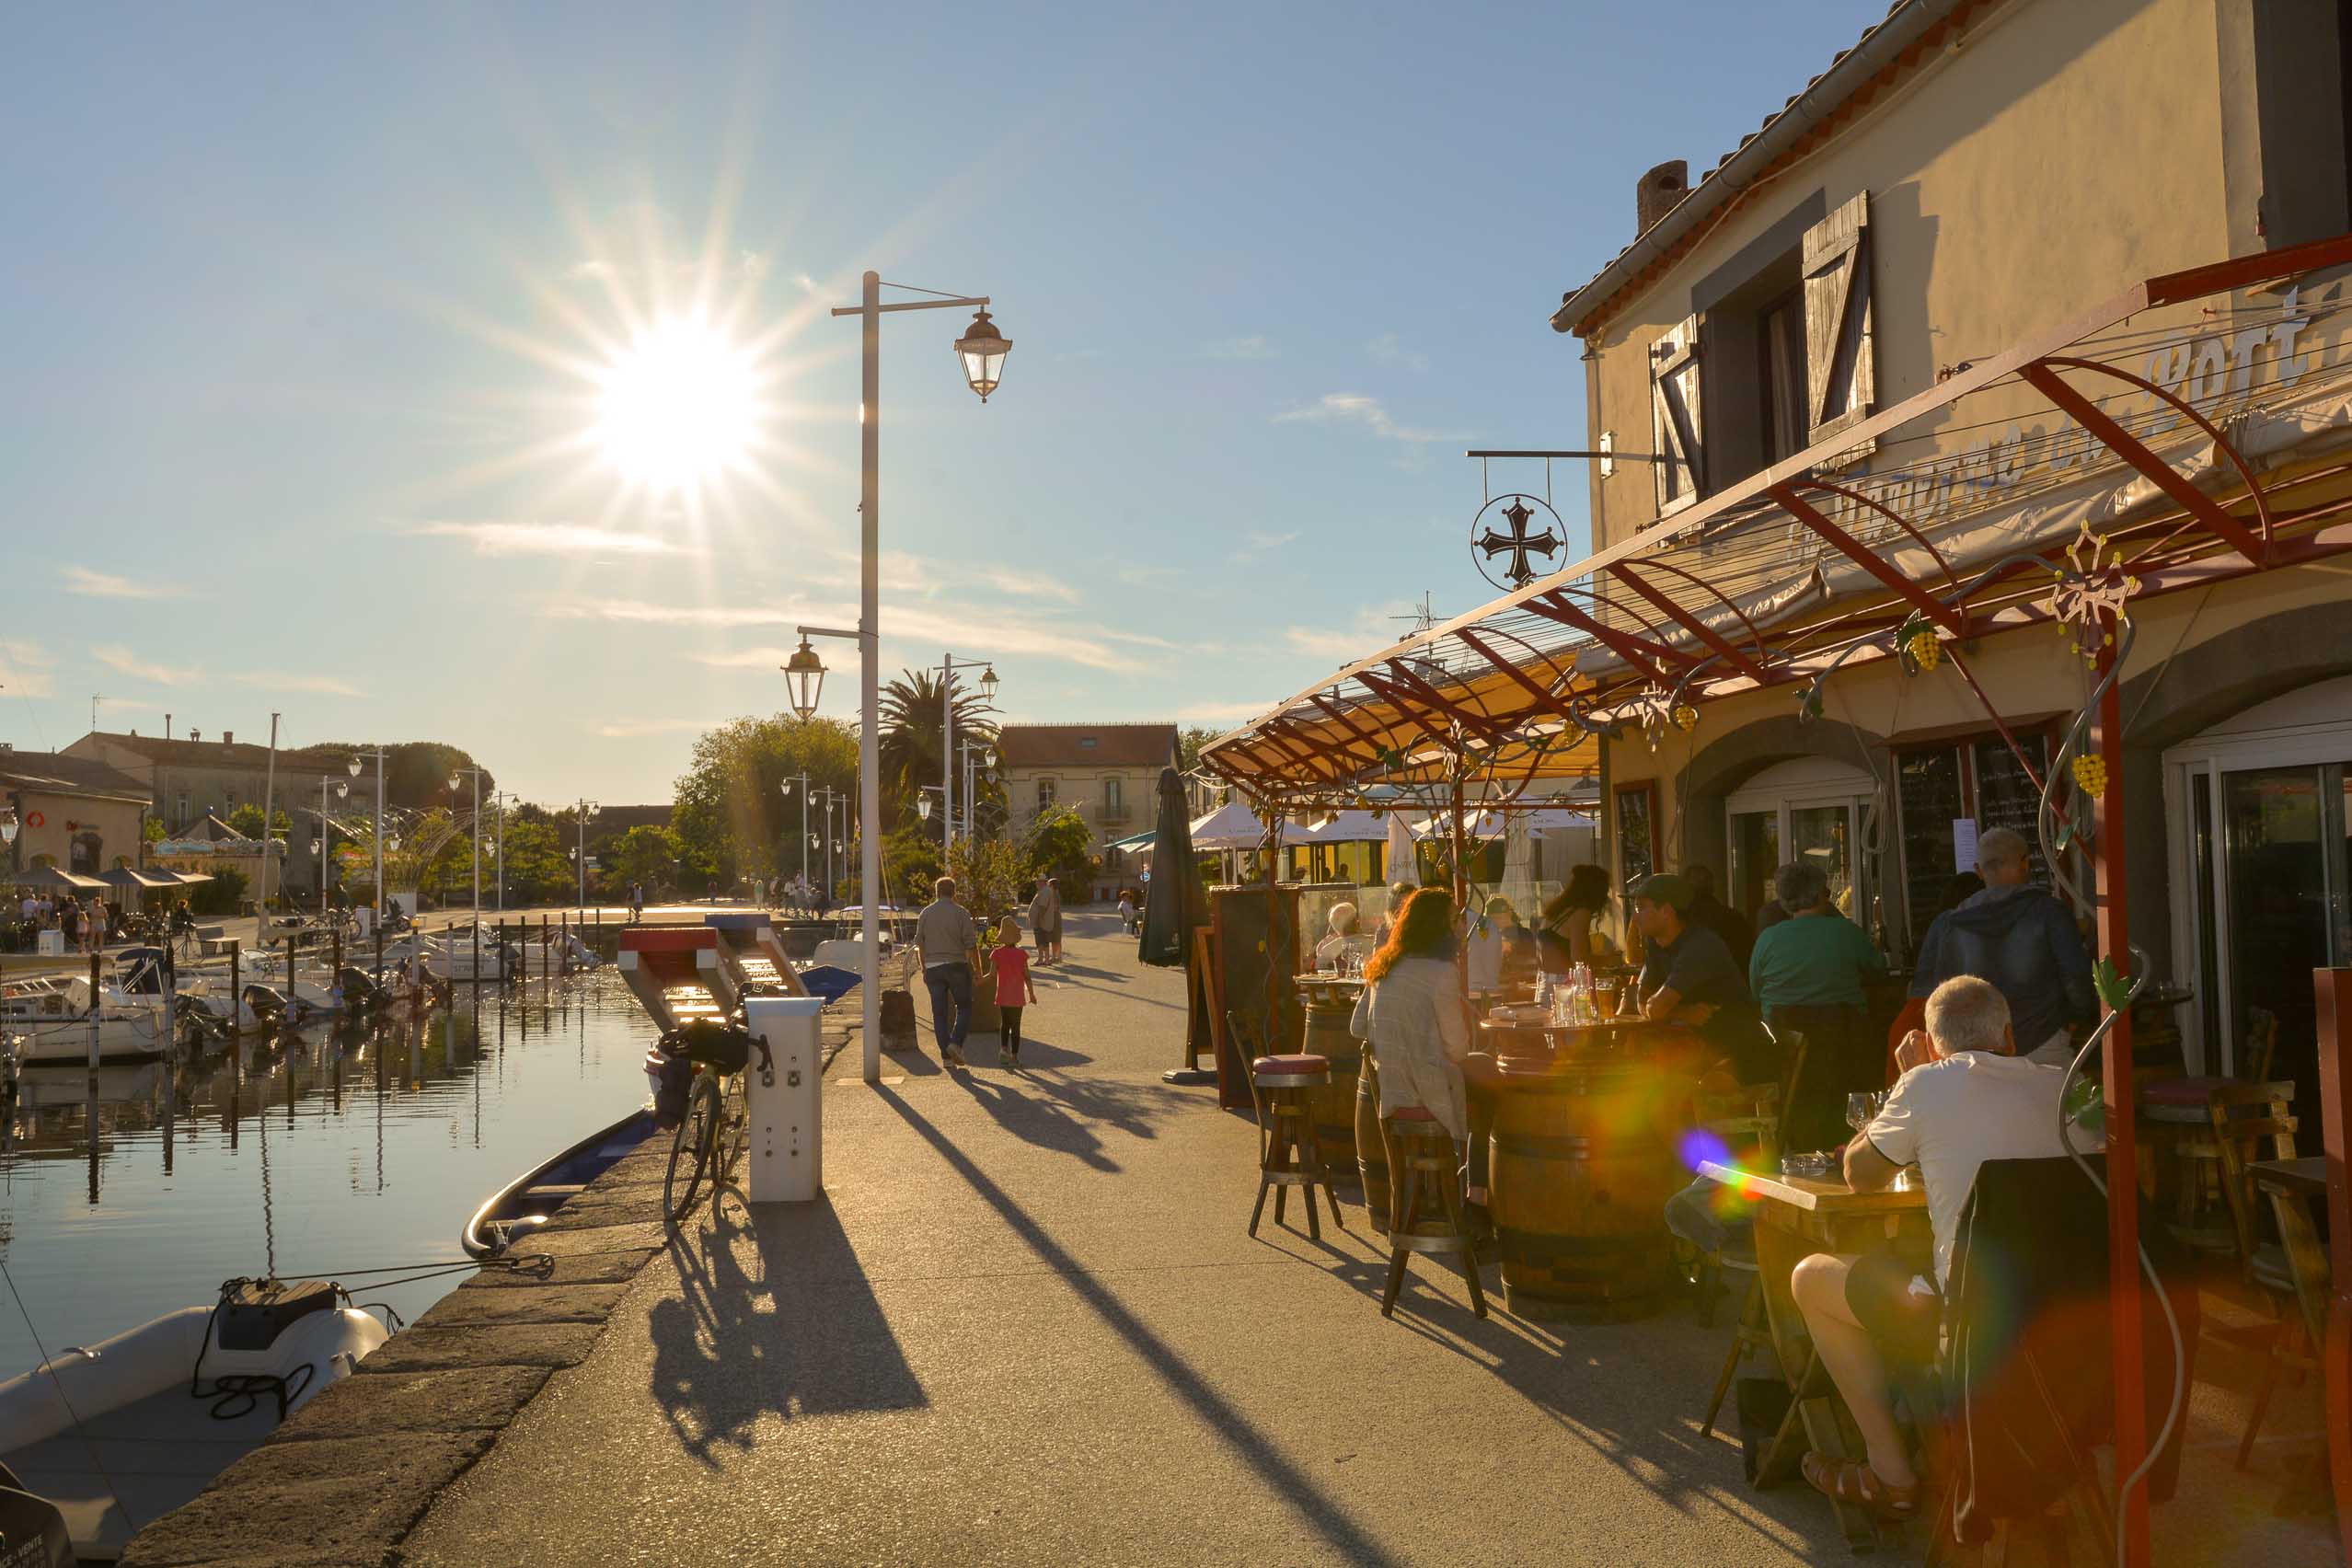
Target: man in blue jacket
column 2022, row 939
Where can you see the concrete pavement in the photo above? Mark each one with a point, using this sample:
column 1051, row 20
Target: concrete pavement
column 1027, row 1326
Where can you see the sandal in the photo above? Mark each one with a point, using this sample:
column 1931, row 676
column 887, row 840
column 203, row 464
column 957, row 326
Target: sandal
column 1853, row 1481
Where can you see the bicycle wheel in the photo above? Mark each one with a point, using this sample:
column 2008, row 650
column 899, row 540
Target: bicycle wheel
column 734, row 1131
column 690, row 1151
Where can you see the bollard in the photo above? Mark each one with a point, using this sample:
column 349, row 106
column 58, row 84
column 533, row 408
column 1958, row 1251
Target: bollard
column 237, row 1015
column 785, row 1146
column 96, row 1008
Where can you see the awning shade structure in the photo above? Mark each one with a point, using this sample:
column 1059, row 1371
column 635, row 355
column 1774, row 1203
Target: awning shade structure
column 1809, row 564
column 52, row 878
column 124, row 877
column 1483, row 824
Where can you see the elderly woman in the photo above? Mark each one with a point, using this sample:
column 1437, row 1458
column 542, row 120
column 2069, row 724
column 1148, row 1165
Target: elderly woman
column 1809, row 974
column 1412, row 1018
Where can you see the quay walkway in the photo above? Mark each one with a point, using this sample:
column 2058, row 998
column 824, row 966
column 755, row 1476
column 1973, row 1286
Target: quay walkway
column 1025, row 1326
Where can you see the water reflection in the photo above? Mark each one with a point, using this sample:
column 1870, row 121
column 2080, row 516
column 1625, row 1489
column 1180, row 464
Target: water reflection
column 136, row 1189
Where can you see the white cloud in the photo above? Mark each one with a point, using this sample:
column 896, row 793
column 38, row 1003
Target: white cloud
column 497, row 538
column 1361, row 409
column 645, row 612
column 1345, row 647
column 628, row 729
column 106, row 586
column 122, row 662
column 1387, row 350
column 24, row 669
column 1221, row 712
column 1254, row 545
column 1029, row 585
column 1250, row 348
column 286, row 680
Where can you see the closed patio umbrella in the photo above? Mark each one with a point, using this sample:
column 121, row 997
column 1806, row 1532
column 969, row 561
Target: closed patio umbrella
column 1175, row 905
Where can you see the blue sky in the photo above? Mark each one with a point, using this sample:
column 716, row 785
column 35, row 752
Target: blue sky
column 304, row 309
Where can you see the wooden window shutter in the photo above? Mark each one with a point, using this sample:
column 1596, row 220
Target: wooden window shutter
column 1840, row 363
column 1675, row 418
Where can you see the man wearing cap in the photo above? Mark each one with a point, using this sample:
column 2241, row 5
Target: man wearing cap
column 1689, row 977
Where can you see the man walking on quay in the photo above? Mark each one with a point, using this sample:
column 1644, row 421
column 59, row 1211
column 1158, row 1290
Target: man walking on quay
column 949, row 944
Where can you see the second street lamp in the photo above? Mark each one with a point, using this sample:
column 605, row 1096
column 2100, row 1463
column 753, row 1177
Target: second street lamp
column 981, row 351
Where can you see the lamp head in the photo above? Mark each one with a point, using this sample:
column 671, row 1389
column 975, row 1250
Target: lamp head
column 804, row 679
column 988, row 684
column 983, row 349
column 923, row 808
column 355, row 767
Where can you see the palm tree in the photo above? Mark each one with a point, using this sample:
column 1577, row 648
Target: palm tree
column 910, row 731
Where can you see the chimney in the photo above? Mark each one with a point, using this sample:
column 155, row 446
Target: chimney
column 194, row 734
column 1658, row 191
column 166, row 726
column 228, row 737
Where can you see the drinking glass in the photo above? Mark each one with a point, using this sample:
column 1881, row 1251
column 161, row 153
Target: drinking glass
column 1860, row 1110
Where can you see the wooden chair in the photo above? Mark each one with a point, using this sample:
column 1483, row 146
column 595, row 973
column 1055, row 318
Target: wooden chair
column 1750, row 1329
column 1289, row 1152
column 2250, row 1121
column 2178, row 1112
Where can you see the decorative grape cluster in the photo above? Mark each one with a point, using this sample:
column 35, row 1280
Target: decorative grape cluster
column 2090, row 775
column 1686, row 717
column 1925, row 651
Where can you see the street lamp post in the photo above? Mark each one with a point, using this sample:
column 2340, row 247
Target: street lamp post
column 473, row 830
column 498, row 854
column 355, row 770
column 588, row 808
column 804, row 816
column 979, row 757
column 949, row 665
column 981, row 351
column 342, row 790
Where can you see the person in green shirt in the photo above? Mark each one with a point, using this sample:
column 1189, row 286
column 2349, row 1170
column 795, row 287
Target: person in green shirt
column 1809, row 974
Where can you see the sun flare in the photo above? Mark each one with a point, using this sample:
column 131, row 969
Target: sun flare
column 680, row 408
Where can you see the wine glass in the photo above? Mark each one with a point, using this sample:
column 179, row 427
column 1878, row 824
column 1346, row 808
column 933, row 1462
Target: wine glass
column 1861, row 1109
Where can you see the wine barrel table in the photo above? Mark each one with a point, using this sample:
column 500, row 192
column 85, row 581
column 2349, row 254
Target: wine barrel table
column 1581, row 1162
column 1329, row 1005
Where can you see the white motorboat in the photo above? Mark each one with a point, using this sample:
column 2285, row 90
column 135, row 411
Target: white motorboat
column 120, row 1433
column 55, row 1017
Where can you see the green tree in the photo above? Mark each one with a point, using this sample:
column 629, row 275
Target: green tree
column 989, row 874
column 537, row 870
column 644, row 854
column 910, row 865
column 221, row 895
column 1059, row 847
column 245, row 821
column 153, row 830
column 911, row 741
column 1189, row 743
column 732, row 815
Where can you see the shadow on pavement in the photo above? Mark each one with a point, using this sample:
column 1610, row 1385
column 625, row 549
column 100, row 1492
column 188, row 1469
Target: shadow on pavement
column 1318, row 1510
column 774, row 1318
column 1062, row 1113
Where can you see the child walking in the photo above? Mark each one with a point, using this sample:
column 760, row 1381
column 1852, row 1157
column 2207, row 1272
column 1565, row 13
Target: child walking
column 1014, row 986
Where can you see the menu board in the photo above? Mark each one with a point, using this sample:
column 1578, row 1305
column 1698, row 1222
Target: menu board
column 1927, row 787
column 2006, row 796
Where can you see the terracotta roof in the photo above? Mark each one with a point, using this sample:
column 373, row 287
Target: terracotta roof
column 1085, row 746
column 62, row 774
column 218, row 754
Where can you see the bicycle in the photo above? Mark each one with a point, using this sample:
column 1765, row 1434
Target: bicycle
column 717, row 1125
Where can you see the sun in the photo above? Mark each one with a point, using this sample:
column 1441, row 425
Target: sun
column 679, row 407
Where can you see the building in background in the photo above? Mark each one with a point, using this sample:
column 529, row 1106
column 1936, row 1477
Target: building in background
column 1109, row 774
column 186, row 779
column 72, row 812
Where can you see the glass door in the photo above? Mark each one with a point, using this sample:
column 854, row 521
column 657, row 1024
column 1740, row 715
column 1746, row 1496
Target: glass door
column 1823, row 837
column 1754, row 856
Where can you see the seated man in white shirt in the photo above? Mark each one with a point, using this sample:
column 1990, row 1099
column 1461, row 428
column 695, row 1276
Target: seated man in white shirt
column 1964, row 1097
column 1343, row 938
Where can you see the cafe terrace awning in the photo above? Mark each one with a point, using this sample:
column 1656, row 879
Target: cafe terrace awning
column 1815, row 562
column 124, row 877
column 1487, row 823
column 51, row 877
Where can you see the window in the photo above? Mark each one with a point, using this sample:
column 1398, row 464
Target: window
column 1114, row 801
column 1978, row 780
column 1045, row 793
column 1777, row 355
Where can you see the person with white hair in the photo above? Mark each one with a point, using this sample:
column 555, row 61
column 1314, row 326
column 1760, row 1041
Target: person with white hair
column 1964, row 1097
column 2021, row 938
column 1343, row 939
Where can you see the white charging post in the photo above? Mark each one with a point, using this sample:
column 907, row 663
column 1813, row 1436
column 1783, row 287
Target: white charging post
column 785, row 1158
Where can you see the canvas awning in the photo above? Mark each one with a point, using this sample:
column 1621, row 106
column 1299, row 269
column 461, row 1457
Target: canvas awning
column 50, row 877
column 1812, row 564
column 125, row 877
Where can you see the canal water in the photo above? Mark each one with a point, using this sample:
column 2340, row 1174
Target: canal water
column 315, row 1159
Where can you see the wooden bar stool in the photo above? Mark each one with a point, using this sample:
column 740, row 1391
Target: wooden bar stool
column 1289, row 1154
column 1421, row 1157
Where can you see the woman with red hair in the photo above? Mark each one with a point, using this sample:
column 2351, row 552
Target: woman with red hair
column 1413, row 1015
